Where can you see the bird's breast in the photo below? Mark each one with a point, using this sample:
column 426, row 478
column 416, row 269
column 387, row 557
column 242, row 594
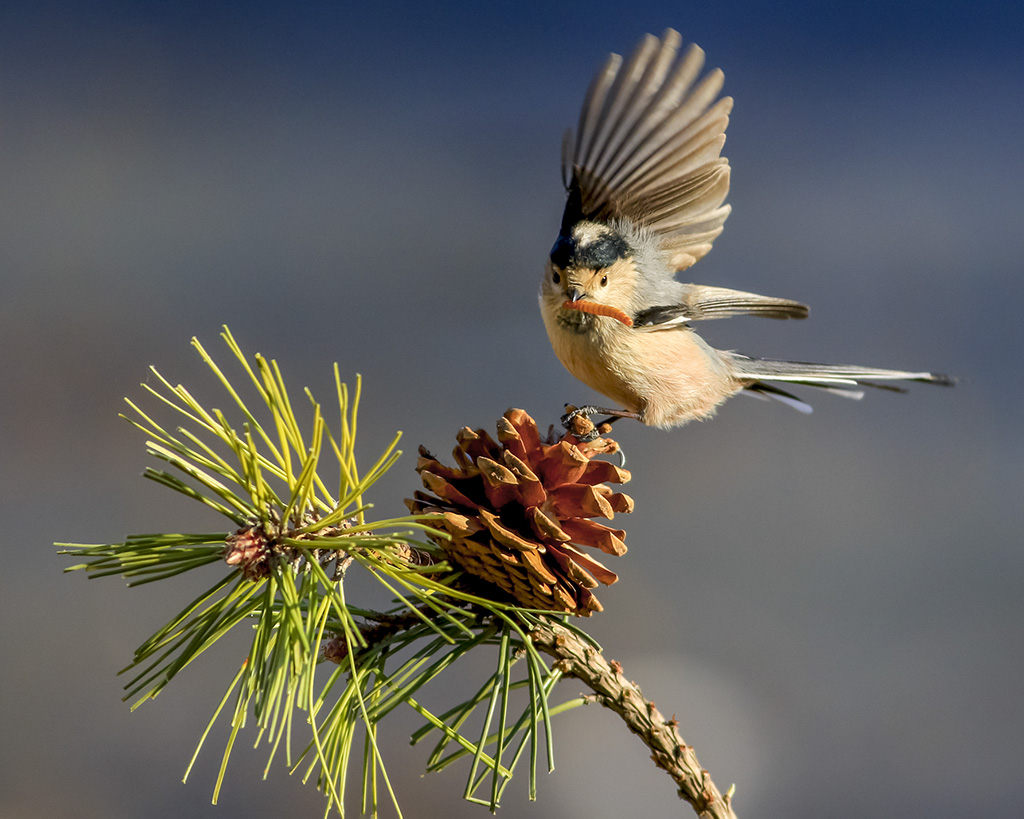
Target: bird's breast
column 592, row 353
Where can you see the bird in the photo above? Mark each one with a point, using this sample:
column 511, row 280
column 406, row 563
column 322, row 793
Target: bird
column 645, row 190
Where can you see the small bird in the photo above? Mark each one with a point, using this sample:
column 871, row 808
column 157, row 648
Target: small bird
column 646, row 184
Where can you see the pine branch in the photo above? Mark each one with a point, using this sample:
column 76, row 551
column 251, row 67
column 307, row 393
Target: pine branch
column 507, row 524
column 575, row 657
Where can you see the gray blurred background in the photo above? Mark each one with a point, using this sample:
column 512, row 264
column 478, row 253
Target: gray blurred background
column 831, row 605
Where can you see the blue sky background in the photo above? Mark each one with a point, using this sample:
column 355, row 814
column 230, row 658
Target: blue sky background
column 831, row 605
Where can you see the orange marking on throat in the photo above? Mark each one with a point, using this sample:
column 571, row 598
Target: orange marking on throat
column 596, row 309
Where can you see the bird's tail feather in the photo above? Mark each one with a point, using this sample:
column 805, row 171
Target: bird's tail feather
column 838, row 379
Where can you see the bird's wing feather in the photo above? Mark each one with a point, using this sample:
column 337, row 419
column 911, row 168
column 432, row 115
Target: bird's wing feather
column 648, row 148
column 701, row 303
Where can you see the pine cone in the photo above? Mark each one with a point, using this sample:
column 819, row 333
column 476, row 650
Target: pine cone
column 249, row 549
column 517, row 510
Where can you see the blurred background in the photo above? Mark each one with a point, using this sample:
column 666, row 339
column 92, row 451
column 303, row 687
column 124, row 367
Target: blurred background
column 830, row 604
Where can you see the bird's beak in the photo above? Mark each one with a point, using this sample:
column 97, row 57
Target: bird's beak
column 575, row 293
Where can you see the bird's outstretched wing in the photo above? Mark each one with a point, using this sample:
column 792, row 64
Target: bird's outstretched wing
column 648, row 147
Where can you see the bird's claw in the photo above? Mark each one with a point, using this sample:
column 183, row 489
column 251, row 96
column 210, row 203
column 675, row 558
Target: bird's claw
column 577, row 423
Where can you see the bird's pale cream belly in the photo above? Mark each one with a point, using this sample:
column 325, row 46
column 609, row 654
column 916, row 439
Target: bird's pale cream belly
column 623, row 364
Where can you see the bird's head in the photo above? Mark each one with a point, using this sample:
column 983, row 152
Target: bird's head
column 591, row 263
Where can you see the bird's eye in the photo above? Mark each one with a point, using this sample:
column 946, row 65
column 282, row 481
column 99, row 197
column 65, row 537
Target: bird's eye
column 604, row 280
column 555, row 277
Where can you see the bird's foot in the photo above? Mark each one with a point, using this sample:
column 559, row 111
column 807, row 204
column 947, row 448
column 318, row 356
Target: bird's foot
column 577, row 423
